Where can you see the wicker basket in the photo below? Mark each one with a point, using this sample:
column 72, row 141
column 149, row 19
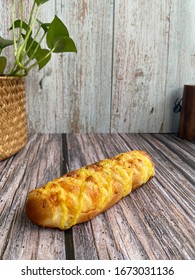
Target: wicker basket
column 13, row 128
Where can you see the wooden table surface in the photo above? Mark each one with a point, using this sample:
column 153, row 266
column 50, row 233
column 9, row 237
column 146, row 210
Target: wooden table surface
column 154, row 222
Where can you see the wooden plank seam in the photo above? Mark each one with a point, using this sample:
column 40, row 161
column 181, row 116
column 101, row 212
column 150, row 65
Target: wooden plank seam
column 69, row 246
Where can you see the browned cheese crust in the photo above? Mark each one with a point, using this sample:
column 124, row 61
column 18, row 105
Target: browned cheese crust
column 80, row 195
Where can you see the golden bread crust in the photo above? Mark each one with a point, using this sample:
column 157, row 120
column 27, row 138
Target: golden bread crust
column 82, row 194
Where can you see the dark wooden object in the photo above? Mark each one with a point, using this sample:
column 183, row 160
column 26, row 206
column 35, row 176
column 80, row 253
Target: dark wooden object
column 154, row 222
column 187, row 118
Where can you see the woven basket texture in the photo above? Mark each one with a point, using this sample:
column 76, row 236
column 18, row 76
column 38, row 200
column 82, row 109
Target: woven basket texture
column 13, row 127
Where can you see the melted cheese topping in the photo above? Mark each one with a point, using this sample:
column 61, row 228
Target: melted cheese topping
column 93, row 187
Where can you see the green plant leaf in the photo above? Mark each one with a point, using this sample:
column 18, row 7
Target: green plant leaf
column 64, row 44
column 40, row 2
column 32, row 48
column 17, row 24
column 43, row 57
column 3, row 62
column 5, row 43
column 45, row 26
column 56, row 30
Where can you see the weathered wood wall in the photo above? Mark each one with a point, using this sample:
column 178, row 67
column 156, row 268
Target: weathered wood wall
column 134, row 57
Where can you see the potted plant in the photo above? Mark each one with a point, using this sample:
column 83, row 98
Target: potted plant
column 27, row 40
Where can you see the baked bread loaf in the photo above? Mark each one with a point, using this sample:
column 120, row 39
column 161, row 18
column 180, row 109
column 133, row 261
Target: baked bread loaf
column 80, row 195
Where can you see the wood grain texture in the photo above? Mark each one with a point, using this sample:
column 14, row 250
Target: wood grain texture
column 39, row 162
column 155, row 221
column 73, row 92
column 132, row 62
column 181, row 59
column 140, row 61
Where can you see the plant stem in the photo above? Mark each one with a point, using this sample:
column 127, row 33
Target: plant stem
column 36, row 63
column 35, row 50
column 34, row 39
column 31, row 44
column 21, row 22
column 23, row 45
column 14, row 36
column 31, row 13
column 29, row 22
column 13, row 29
column 16, row 72
column 12, row 70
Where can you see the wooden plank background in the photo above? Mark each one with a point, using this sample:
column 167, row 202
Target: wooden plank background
column 133, row 59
